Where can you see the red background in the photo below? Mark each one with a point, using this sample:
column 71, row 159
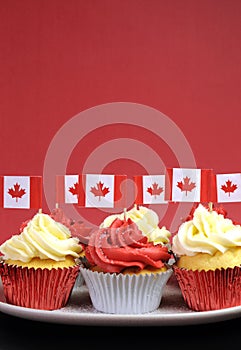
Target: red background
column 58, row 58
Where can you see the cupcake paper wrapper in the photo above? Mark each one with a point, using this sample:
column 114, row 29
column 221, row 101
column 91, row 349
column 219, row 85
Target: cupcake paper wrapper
column 210, row 290
column 37, row 288
column 125, row 294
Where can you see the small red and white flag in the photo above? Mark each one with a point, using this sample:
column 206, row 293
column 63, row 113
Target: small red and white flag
column 228, row 187
column 150, row 189
column 189, row 185
column 67, row 188
column 102, row 191
column 23, row 192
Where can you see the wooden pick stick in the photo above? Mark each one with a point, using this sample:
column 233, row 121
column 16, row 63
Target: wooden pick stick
column 124, row 214
column 210, row 205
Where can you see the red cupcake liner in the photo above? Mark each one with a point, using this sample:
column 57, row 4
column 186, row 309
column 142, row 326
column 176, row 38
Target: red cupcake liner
column 210, row 290
column 37, row 288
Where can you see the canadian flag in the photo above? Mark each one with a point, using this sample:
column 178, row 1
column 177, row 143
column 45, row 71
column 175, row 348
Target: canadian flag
column 189, row 185
column 67, row 188
column 22, row 192
column 228, row 187
column 102, row 190
column 149, row 189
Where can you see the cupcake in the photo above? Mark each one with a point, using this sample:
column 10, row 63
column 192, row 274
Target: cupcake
column 124, row 273
column 39, row 265
column 208, row 258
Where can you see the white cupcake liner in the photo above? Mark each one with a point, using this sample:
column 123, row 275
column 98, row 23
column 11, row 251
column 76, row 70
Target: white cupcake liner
column 125, row 294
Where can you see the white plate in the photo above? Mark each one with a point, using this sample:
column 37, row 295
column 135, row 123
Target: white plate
column 79, row 311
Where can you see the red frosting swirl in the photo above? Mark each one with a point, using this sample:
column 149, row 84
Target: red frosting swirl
column 77, row 228
column 123, row 245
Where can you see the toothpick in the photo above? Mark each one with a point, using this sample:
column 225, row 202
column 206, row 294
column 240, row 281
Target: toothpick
column 124, row 214
column 210, row 206
column 136, row 206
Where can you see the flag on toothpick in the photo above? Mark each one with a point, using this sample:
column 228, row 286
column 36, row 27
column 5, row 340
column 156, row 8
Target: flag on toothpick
column 149, row 189
column 189, row 185
column 102, row 191
column 23, row 192
column 228, row 187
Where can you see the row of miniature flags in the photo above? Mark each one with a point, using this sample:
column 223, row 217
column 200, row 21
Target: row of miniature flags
column 109, row 191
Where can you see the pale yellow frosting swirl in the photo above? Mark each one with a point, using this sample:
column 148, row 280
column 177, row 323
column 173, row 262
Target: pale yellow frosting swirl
column 42, row 238
column 147, row 221
column 208, row 232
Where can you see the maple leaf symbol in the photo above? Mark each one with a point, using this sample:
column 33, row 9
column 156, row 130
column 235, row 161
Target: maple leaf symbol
column 16, row 191
column 74, row 189
column 228, row 188
column 155, row 190
column 99, row 190
column 186, row 185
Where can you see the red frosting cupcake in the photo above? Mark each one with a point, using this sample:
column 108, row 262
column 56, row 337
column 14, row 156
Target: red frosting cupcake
column 123, row 271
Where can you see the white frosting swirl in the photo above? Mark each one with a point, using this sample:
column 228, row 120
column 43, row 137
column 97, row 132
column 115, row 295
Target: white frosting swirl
column 208, row 232
column 42, row 238
column 147, row 221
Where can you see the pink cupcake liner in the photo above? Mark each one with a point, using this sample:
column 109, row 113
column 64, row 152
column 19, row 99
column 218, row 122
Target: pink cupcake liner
column 37, row 288
column 210, row 290
column 125, row 294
